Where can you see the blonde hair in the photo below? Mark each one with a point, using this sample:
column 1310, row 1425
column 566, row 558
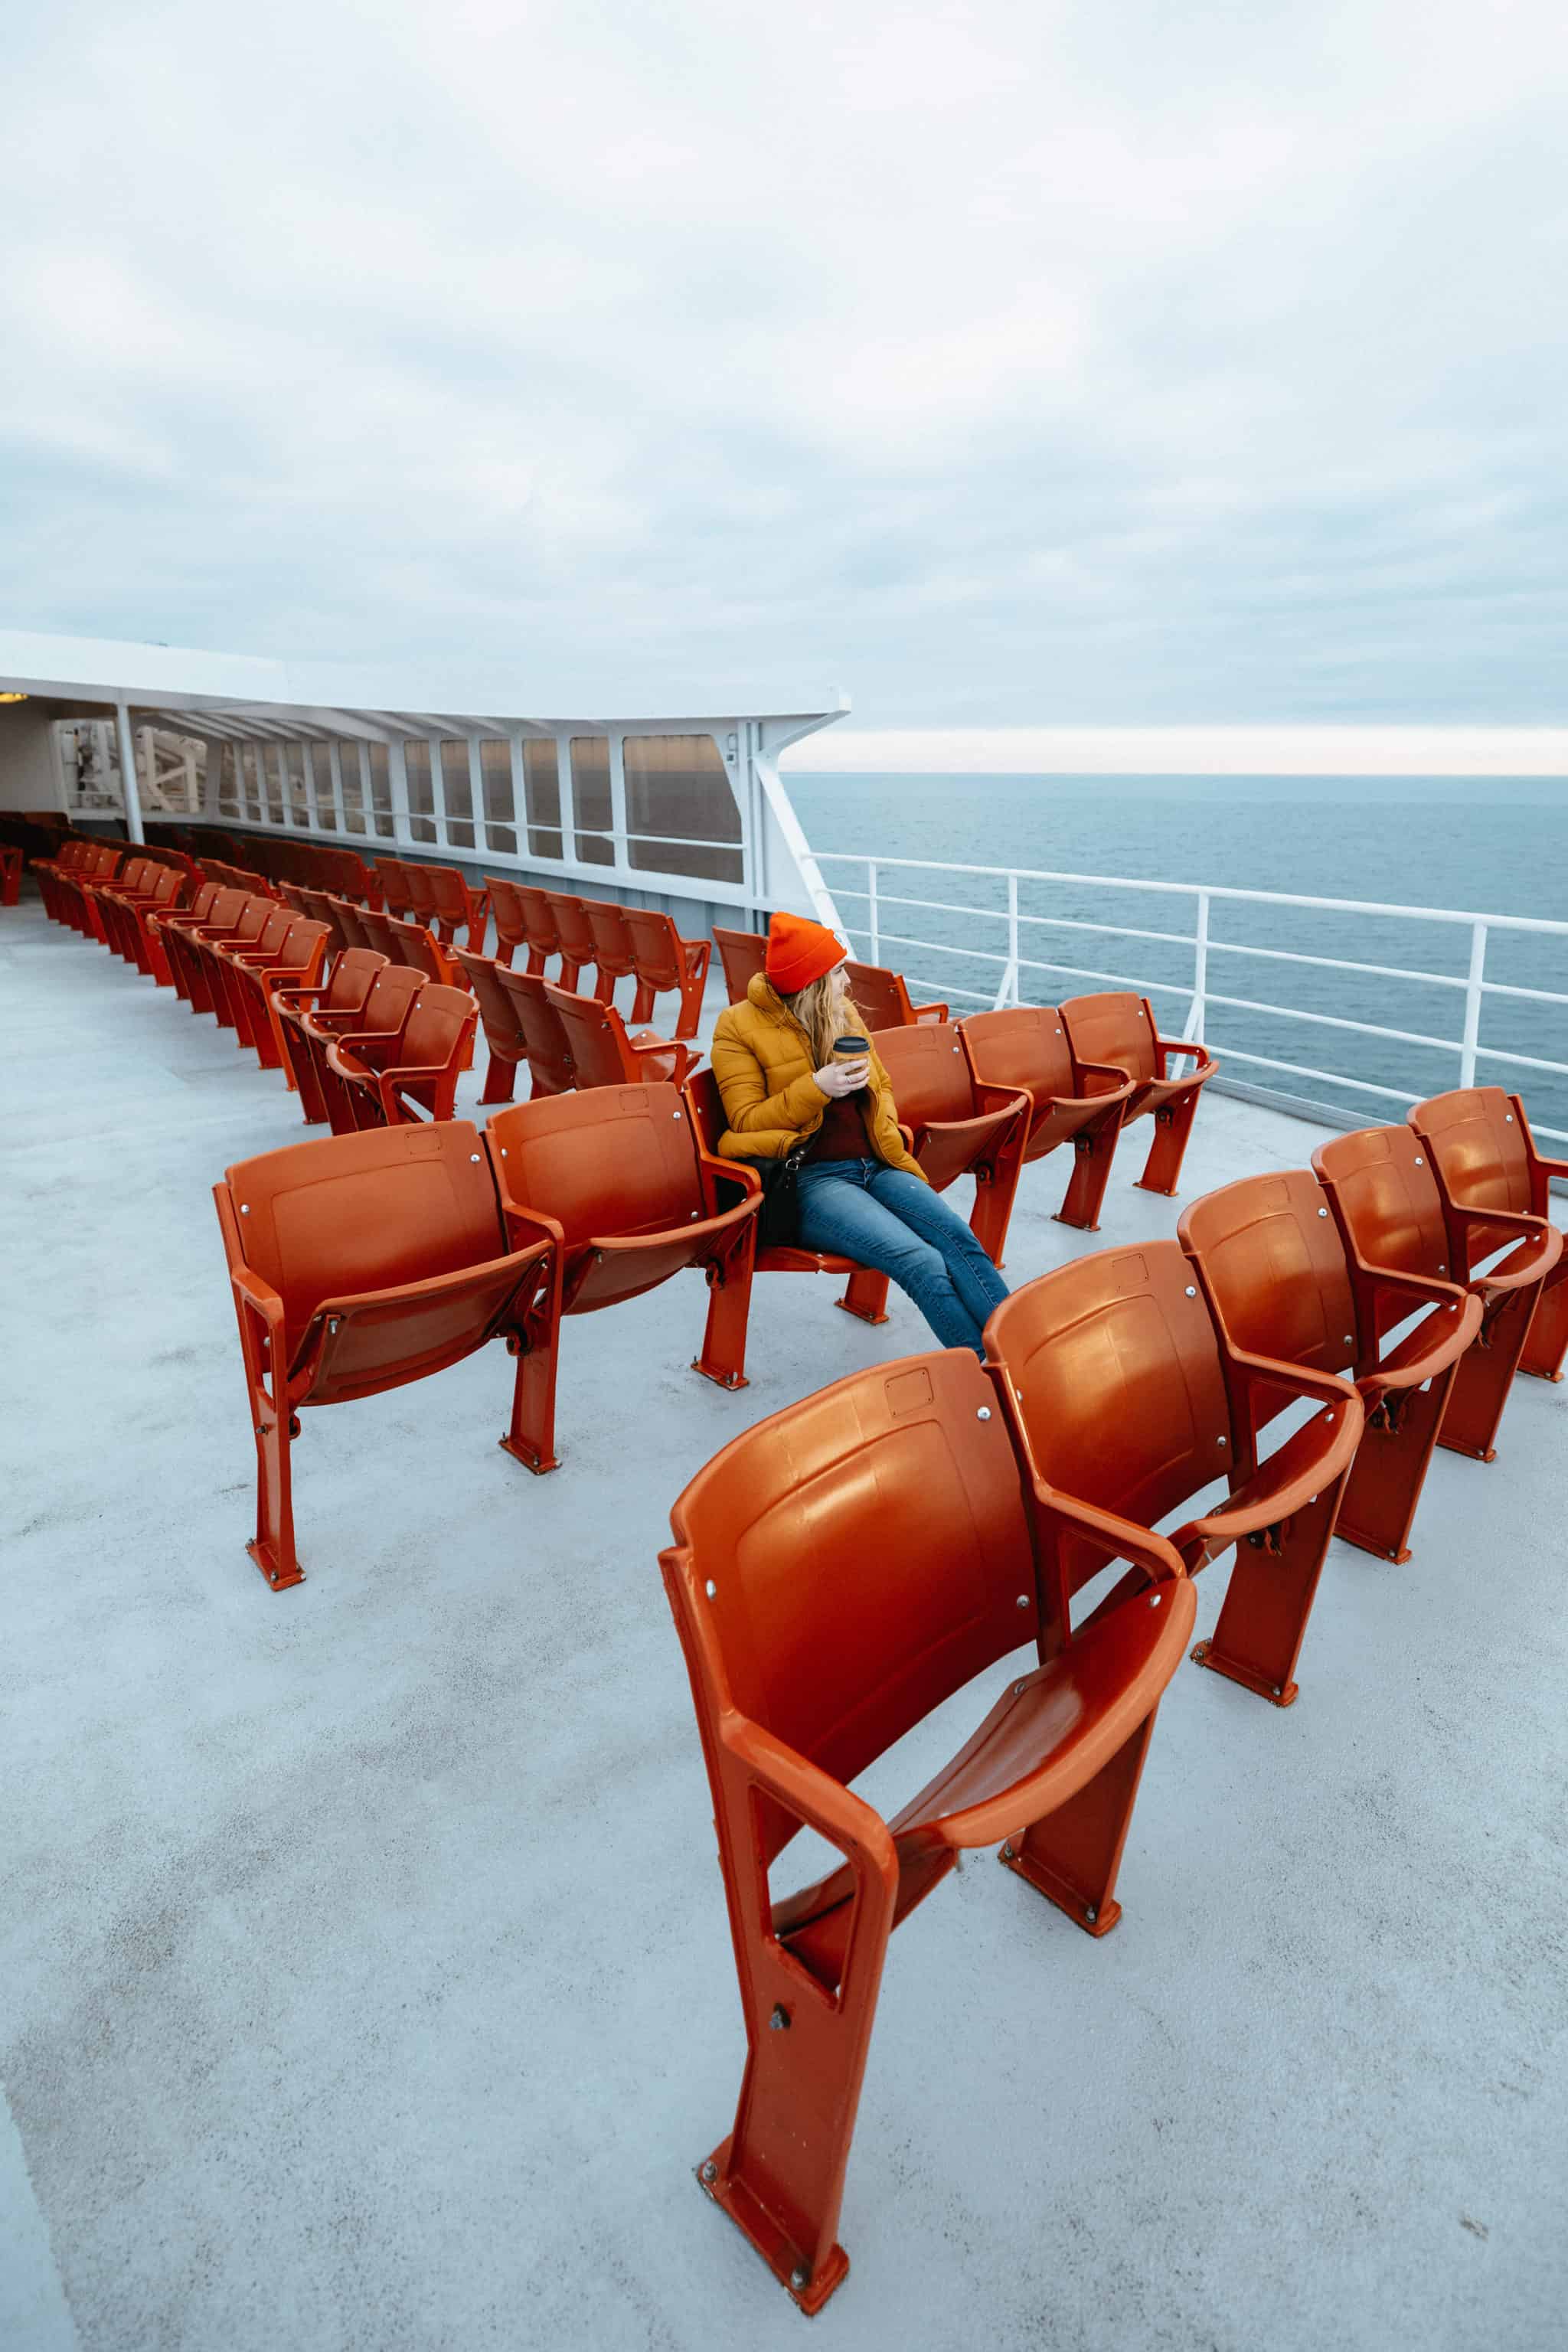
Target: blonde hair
column 813, row 1007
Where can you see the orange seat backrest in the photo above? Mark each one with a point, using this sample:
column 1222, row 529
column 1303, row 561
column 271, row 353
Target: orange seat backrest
column 743, row 955
column 572, row 928
column 618, row 1160
column 544, row 1038
column 1118, row 1379
column 538, row 918
column 352, row 977
column 1271, row 1253
column 1382, row 1179
column 420, row 890
column 400, row 1204
column 707, row 1106
column 595, row 1038
column 866, row 1551
column 392, row 992
column 495, row 1006
column 506, row 905
column 612, row 940
column 225, row 907
column 201, row 906
column 300, row 941
column 435, row 1028
column 380, row 930
column 879, row 995
column 414, row 944
column 656, row 947
column 166, row 884
column 1478, row 1142
column 280, row 920
column 1025, row 1045
column 449, row 893
column 931, row 1075
column 1117, row 1027
column 254, row 917
column 394, row 876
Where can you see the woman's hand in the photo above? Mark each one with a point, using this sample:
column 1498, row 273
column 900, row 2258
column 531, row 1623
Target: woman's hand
column 844, row 1077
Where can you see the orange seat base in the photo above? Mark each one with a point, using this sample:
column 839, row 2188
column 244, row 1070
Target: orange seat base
column 757, row 2226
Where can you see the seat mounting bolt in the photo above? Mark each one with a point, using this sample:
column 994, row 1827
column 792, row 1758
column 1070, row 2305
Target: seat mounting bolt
column 1007, row 1851
column 710, row 2170
column 799, row 2278
column 779, row 2021
column 1090, row 1914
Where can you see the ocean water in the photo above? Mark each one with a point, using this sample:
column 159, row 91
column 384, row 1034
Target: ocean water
column 1484, row 846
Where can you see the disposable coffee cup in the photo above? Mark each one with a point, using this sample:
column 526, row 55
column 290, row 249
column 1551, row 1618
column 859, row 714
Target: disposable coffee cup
column 851, row 1049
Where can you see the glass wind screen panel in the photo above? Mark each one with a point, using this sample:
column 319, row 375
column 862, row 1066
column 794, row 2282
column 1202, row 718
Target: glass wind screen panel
column 590, row 794
column 541, row 783
column 228, row 781
column 300, row 812
column 250, row 770
column 495, row 777
column 321, row 758
column 678, row 785
column 421, row 797
column 457, row 778
column 352, row 776
column 381, row 789
column 272, row 777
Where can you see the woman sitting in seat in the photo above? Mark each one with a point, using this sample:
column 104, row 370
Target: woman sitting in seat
column 860, row 1194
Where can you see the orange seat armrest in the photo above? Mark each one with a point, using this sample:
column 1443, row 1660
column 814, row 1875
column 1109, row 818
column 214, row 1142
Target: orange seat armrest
column 1111, row 1070
column 823, row 1804
column 1296, row 1472
column 1422, row 1354
column 1124, row 1538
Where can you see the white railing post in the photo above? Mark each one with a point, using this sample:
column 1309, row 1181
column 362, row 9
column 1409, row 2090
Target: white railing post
column 1007, row 994
column 1193, row 1034
column 871, row 917
column 1473, row 1004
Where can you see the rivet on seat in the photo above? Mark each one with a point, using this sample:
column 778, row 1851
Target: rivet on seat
column 982, row 1412
column 1191, row 1292
column 712, row 1589
column 1322, row 1213
column 1022, row 1601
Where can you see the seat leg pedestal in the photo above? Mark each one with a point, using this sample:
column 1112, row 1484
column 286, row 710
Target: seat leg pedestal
column 272, row 1549
column 1173, row 1125
column 1388, row 1474
column 757, row 2225
column 499, row 1080
column 1482, row 1379
column 1546, row 1344
column 1263, row 1619
column 866, row 1295
column 530, row 1439
column 1091, row 1162
column 724, row 1356
column 1073, row 1855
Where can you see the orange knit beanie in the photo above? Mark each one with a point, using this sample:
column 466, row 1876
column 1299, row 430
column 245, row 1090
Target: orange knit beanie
column 799, row 952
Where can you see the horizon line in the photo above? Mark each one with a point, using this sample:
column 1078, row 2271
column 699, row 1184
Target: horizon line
column 1246, row 749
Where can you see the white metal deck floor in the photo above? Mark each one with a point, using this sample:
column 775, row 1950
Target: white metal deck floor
column 364, row 1978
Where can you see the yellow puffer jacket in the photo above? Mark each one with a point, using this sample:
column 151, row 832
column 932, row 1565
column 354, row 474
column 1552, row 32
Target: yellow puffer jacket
column 763, row 1060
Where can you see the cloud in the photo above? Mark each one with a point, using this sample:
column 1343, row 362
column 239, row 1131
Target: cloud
column 1016, row 365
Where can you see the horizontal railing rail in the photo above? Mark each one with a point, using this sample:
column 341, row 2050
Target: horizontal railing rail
column 1019, row 930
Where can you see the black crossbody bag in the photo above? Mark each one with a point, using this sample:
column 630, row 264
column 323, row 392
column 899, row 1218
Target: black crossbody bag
column 778, row 1219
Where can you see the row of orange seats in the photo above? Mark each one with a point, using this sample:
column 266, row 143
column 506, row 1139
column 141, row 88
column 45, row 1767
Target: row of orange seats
column 1115, row 1393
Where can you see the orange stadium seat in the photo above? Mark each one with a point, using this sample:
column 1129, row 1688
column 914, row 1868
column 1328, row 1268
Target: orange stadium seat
column 663, row 961
column 456, row 905
column 1274, row 1269
column 373, row 1036
column 882, row 999
column 1026, row 1047
column 544, row 1043
column 837, row 1573
column 1119, row 1389
column 392, row 877
column 603, row 1054
column 743, row 955
column 249, row 984
column 1383, row 1193
column 418, row 1079
column 1113, row 1036
column 574, row 934
column 1497, row 1190
column 359, row 1263
column 612, row 956
column 960, row 1126
column 617, row 1183
column 342, row 997
column 507, row 911
column 508, row 1046
column 866, row 1293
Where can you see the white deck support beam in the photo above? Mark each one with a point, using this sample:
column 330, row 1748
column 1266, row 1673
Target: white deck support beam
column 130, row 789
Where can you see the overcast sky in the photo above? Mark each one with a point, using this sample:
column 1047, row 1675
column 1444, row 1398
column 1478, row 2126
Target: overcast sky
column 1104, row 363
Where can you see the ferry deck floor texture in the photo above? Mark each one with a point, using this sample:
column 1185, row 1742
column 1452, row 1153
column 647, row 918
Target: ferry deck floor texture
column 364, row 1974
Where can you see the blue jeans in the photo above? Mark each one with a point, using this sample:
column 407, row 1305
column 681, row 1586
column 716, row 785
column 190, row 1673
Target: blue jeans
column 886, row 1218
